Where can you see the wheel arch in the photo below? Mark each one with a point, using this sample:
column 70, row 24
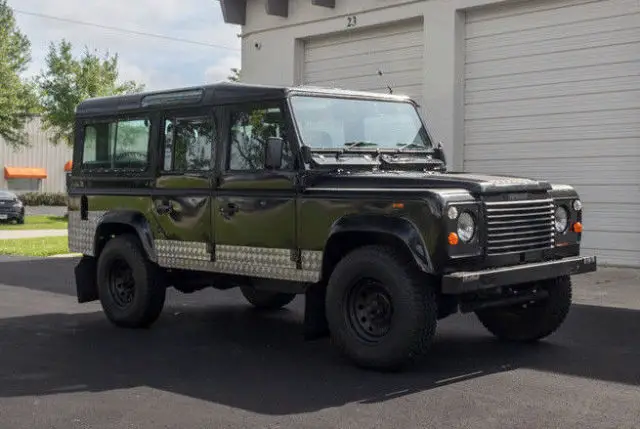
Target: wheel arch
column 123, row 222
column 351, row 232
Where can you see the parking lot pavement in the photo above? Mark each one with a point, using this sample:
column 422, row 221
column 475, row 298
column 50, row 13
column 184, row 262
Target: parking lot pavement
column 212, row 362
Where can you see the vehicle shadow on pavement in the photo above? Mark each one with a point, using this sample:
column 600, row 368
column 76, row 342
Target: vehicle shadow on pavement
column 232, row 355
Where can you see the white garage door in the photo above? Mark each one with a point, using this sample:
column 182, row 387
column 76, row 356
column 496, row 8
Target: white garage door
column 353, row 59
column 552, row 91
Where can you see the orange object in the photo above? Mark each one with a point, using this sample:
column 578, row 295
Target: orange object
column 577, row 227
column 453, row 238
column 24, row 173
column 68, row 165
column 398, row 205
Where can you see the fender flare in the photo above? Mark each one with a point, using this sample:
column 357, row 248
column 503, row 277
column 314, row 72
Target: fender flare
column 399, row 227
column 133, row 219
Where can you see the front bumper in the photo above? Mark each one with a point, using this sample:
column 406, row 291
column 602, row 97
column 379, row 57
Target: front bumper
column 471, row 281
column 13, row 214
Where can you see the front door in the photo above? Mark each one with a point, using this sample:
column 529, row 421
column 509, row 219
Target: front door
column 183, row 193
column 254, row 212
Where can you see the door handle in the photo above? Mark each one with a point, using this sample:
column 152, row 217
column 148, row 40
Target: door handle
column 229, row 210
column 164, row 208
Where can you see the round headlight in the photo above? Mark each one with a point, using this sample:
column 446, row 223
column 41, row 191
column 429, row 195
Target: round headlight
column 577, row 205
column 466, row 227
column 561, row 219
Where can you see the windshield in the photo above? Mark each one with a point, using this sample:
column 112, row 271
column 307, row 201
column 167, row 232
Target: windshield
column 338, row 123
column 7, row 195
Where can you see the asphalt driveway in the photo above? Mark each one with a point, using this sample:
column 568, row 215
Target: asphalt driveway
column 211, row 361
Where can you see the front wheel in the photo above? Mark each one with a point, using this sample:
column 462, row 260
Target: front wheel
column 381, row 312
column 129, row 287
column 533, row 321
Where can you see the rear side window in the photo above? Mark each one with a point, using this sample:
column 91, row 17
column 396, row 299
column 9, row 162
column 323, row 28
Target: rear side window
column 116, row 145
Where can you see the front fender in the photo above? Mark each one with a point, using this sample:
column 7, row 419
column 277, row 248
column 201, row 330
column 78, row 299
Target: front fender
column 399, row 227
column 129, row 219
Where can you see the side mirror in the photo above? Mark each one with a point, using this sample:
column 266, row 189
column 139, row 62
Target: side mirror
column 440, row 153
column 274, row 153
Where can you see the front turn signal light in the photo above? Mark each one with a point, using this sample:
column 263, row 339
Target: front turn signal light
column 577, row 227
column 453, row 238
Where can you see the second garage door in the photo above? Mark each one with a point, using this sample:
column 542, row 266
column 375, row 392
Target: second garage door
column 552, row 91
column 354, row 59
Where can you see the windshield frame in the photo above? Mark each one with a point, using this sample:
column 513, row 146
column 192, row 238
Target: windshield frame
column 424, row 129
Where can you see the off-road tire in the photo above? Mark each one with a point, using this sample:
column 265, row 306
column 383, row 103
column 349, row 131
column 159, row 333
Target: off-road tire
column 412, row 298
column 536, row 321
column 266, row 300
column 149, row 290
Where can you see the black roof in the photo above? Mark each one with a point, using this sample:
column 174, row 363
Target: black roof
column 224, row 92
column 218, row 93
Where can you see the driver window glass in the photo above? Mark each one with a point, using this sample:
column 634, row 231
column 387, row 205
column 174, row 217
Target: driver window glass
column 251, row 127
column 121, row 144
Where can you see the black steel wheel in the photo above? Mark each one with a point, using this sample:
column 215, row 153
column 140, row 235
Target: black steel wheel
column 370, row 309
column 130, row 287
column 122, row 285
column 381, row 311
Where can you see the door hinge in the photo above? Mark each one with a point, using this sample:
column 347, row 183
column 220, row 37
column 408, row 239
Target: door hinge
column 296, row 256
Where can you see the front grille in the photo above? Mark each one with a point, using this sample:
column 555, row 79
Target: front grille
column 519, row 226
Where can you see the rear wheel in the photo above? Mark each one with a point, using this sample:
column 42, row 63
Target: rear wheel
column 266, row 300
column 533, row 321
column 130, row 290
column 382, row 313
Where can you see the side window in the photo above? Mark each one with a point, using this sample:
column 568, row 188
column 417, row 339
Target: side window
column 189, row 144
column 119, row 144
column 250, row 129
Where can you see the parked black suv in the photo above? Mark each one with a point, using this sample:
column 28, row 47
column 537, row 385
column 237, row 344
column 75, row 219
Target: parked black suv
column 341, row 196
column 11, row 208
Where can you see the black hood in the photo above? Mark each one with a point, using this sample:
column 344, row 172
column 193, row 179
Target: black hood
column 474, row 183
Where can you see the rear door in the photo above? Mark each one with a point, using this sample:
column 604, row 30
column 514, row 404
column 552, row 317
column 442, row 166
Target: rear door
column 183, row 192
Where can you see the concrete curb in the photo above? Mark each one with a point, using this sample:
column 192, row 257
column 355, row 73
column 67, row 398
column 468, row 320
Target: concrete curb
column 66, row 255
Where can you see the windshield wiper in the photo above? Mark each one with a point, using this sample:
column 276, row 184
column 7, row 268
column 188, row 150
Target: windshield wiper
column 358, row 144
column 410, row 145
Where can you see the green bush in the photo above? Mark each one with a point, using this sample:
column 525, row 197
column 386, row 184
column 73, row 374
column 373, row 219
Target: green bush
column 43, row 199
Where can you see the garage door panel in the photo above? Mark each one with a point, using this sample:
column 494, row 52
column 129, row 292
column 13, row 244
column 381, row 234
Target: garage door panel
column 629, row 67
column 549, row 149
column 548, row 33
column 347, row 50
column 591, row 86
column 605, row 218
column 522, row 7
column 577, row 171
column 558, row 134
column 554, row 61
column 618, row 195
column 561, row 104
column 612, row 240
column 561, row 120
column 404, row 59
column 563, row 13
column 594, row 40
column 613, row 256
column 351, row 59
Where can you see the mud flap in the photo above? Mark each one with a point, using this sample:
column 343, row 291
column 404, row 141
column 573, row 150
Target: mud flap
column 86, row 285
column 315, row 320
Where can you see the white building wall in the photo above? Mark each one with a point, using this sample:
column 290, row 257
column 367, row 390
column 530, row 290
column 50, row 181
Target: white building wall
column 40, row 153
column 273, row 50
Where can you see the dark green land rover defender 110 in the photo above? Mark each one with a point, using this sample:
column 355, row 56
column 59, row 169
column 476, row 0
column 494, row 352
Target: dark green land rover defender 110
column 340, row 196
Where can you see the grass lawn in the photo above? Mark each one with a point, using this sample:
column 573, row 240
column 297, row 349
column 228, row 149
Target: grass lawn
column 37, row 222
column 42, row 246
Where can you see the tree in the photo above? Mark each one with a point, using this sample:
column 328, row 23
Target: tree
column 235, row 75
column 17, row 97
column 67, row 81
